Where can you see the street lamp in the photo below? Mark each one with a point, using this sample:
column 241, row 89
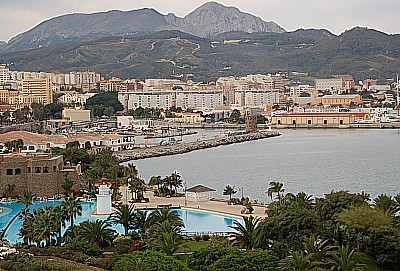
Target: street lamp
column 241, row 189
column 184, row 187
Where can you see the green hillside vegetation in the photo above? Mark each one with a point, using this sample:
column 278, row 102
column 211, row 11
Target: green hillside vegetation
column 363, row 53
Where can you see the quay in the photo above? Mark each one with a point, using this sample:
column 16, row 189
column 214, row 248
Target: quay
column 184, row 147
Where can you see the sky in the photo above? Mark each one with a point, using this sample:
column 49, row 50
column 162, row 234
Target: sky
column 17, row 16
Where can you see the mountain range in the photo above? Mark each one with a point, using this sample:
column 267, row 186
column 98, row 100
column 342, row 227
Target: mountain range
column 206, row 21
column 210, row 42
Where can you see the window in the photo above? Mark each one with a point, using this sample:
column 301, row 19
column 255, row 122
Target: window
column 294, row 122
column 325, row 122
column 45, row 169
column 341, row 122
column 309, row 122
column 17, row 171
column 9, row 171
column 38, row 170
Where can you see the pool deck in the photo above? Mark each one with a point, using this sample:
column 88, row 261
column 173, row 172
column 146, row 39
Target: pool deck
column 218, row 206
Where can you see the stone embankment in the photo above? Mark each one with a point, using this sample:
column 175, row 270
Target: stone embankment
column 184, row 147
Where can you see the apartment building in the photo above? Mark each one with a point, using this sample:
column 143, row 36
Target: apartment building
column 35, row 91
column 147, row 99
column 334, row 84
column 4, row 73
column 199, row 98
column 256, row 97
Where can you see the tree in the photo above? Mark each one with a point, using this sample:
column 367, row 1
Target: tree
column 388, row 204
column 344, row 260
column 142, row 222
column 275, row 187
column 229, row 191
column 156, row 180
column 384, row 246
column 124, row 215
column 27, row 198
column 166, row 238
column 176, row 181
column 98, row 232
column 364, row 218
column 148, row 261
column 71, row 207
column 235, row 115
column 296, row 261
column 165, row 214
column 244, row 234
column 109, row 111
column 249, row 260
column 104, row 100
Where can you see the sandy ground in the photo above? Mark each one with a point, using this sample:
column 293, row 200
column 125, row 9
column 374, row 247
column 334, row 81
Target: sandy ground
column 214, row 206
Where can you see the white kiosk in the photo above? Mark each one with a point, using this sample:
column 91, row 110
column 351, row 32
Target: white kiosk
column 104, row 199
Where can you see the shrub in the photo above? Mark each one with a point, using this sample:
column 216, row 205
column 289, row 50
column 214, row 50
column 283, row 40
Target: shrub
column 122, row 244
column 205, row 237
column 149, row 261
column 204, row 259
column 104, row 263
column 87, row 248
column 197, row 238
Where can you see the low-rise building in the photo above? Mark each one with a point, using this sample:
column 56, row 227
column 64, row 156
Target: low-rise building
column 41, row 175
column 319, row 119
column 199, row 193
column 333, row 100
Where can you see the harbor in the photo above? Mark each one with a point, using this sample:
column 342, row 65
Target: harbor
column 185, row 147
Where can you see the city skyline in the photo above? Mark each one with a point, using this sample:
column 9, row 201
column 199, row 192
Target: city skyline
column 20, row 17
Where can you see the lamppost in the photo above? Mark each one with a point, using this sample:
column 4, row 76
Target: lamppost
column 184, row 187
column 241, row 190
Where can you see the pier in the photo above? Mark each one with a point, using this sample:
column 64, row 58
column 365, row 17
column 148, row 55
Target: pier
column 185, row 147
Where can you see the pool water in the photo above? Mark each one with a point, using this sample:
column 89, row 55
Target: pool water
column 196, row 221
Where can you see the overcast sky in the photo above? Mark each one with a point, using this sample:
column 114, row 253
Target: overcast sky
column 17, row 16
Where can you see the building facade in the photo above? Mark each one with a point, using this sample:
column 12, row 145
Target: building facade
column 319, row 119
column 41, row 175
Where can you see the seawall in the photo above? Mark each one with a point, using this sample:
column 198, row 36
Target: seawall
column 185, row 147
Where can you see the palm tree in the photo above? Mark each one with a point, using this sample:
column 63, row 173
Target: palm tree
column 301, row 200
column 165, row 214
column 275, row 187
column 124, row 215
column 90, row 178
column 165, row 238
column 130, row 171
column 297, row 261
column 71, row 207
column 136, row 186
column 27, row 198
column 244, row 234
column 142, row 222
column 316, row 248
column 98, row 232
column 229, row 190
column 176, row 180
column 156, row 180
column 387, row 204
column 168, row 182
column 344, row 260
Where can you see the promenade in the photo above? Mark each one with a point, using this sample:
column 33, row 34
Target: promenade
column 184, row 147
column 217, row 206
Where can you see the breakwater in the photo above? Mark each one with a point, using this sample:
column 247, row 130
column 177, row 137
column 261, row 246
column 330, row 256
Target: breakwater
column 184, row 147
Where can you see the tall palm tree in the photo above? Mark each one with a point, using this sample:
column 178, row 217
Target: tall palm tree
column 244, row 234
column 142, row 222
column 156, row 180
column 71, row 207
column 27, row 198
column 90, row 177
column 124, row 215
column 165, row 238
column 176, row 180
column 136, row 186
column 275, row 187
column 387, row 204
column 168, row 182
column 98, row 232
column 130, row 171
column 344, row 260
column 229, row 190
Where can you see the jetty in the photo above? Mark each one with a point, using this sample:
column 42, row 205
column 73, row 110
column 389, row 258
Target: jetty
column 185, row 147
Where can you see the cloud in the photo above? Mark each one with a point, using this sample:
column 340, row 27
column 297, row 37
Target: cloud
column 336, row 16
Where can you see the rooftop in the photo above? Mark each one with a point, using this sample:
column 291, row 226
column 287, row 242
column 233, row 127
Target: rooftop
column 200, row 189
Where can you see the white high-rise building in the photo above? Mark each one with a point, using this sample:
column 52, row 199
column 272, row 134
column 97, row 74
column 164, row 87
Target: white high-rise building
column 256, row 97
column 4, row 73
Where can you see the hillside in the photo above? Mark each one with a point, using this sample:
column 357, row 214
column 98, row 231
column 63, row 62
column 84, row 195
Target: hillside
column 206, row 21
column 363, row 53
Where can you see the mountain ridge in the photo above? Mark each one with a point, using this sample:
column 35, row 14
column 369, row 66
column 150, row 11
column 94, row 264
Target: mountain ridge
column 167, row 53
column 206, row 20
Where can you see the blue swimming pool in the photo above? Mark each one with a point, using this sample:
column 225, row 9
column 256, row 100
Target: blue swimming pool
column 195, row 220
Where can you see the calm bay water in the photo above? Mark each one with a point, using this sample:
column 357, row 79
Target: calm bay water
column 314, row 161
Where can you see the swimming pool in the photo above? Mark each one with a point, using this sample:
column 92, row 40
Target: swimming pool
column 196, row 221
